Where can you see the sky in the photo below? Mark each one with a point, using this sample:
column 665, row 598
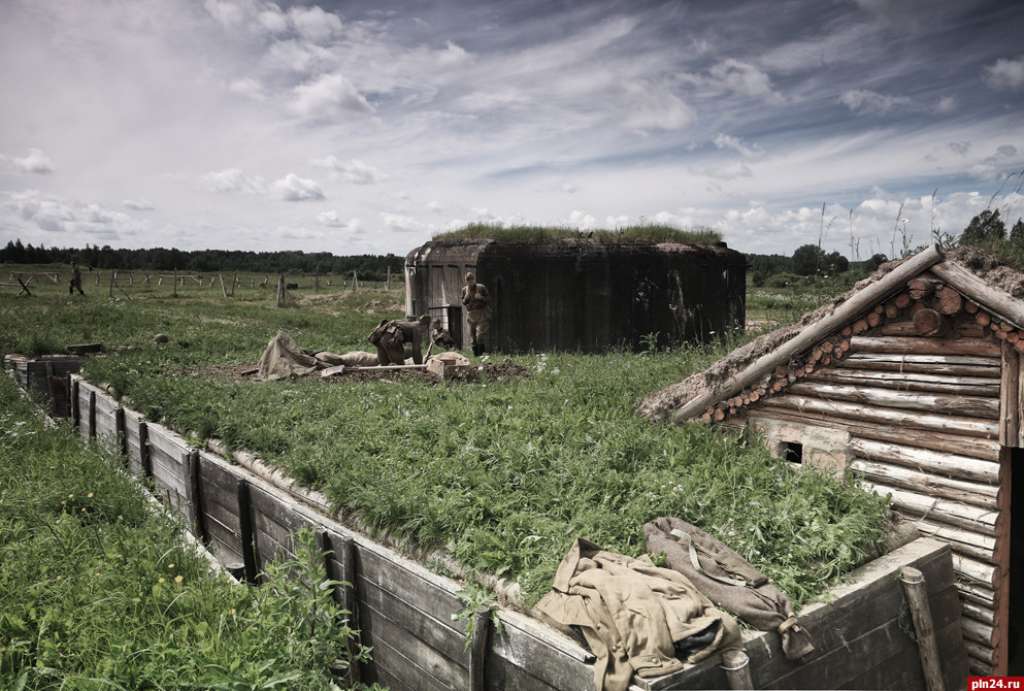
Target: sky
column 369, row 127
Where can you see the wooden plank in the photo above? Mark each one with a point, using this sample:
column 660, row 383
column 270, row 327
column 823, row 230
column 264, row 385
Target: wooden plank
column 966, row 406
column 984, row 449
column 502, row 675
column 909, row 381
column 339, row 565
column 133, row 442
column 1009, row 396
column 410, row 587
column 251, row 568
column 954, row 365
column 962, row 541
column 985, row 429
column 977, row 494
column 975, row 571
column 973, row 518
column 167, row 442
column 1001, row 584
column 521, row 645
column 946, row 464
column 983, row 347
column 437, row 634
column 405, row 665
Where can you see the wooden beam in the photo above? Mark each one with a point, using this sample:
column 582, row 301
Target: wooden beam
column 952, row 513
column 924, row 346
column 855, row 412
column 1003, row 304
column 916, row 592
column 911, row 381
column 967, row 406
column 982, row 495
column 858, row 304
column 1009, row 397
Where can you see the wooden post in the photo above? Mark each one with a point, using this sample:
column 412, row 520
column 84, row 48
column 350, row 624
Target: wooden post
column 113, row 280
column 342, row 550
column 736, row 665
column 97, row 279
column 355, row 281
column 122, row 439
column 145, row 282
column 916, row 592
column 1009, row 396
column 24, row 287
column 282, row 292
column 478, row 649
column 144, row 456
column 92, row 414
column 131, row 279
column 174, row 287
column 234, row 282
column 76, row 409
column 193, row 489
column 223, row 290
column 251, row 569
column 389, row 278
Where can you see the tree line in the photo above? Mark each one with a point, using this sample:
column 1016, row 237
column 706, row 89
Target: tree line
column 369, row 266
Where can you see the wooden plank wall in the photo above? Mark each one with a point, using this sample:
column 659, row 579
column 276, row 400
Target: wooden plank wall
column 928, row 418
column 405, row 612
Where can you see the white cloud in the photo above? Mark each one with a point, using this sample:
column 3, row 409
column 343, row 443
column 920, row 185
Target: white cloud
column 1005, row 73
column 744, row 79
column 654, row 107
column 334, row 220
column 54, row 214
column 435, row 206
column 946, row 104
column 1002, row 161
column 867, row 101
column 35, row 161
column 959, row 147
column 581, row 220
column 292, row 188
column 273, row 20
column 248, row 87
column 727, row 141
column 327, row 97
column 354, row 170
column 138, row 204
column 452, row 54
column 402, row 223
column 726, row 171
column 617, row 221
column 569, row 188
column 232, row 180
column 314, row 24
column 229, row 14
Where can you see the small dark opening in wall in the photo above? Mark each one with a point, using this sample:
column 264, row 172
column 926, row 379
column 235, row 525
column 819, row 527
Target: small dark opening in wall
column 793, row 452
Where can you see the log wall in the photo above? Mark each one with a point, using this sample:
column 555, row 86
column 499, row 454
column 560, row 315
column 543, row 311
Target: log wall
column 927, row 400
column 406, row 612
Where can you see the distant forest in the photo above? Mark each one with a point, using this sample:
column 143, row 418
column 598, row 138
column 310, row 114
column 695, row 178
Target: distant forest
column 370, row 267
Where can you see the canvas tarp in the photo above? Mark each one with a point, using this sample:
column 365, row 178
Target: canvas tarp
column 354, row 358
column 728, row 580
column 636, row 617
column 282, row 358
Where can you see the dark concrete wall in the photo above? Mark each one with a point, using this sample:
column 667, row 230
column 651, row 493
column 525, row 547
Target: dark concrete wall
column 587, row 296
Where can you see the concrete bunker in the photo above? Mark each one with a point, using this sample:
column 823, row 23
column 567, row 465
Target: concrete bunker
column 580, row 293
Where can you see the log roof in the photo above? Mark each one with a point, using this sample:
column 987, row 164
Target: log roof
column 968, row 278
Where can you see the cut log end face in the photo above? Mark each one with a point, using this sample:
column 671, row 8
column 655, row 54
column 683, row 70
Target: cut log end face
column 949, row 301
column 874, row 319
column 927, row 322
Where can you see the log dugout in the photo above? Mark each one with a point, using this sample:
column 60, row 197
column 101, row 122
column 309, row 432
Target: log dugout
column 946, row 408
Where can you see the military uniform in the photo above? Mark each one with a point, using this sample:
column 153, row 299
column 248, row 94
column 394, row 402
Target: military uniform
column 441, row 337
column 477, row 301
column 76, row 281
column 390, row 338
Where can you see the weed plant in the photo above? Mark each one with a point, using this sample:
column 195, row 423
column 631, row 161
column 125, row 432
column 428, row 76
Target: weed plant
column 96, row 591
column 503, row 474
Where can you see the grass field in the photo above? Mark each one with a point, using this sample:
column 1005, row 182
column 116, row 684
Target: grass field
column 97, row 591
column 503, row 474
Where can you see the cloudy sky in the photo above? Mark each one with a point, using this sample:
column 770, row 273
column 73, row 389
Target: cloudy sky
column 367, row 127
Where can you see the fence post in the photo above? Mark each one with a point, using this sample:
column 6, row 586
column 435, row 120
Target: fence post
column 282, row 292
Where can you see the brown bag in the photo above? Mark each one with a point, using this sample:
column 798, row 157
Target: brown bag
column 728, row 580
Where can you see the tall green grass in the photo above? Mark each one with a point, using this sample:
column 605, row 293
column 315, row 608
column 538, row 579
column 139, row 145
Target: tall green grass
column 503, row 474
column 97, row 592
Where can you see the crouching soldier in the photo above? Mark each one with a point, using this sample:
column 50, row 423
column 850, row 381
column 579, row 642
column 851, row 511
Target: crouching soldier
column 391, row 337
column 477, row 302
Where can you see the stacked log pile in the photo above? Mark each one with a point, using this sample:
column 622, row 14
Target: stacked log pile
column 927, row 383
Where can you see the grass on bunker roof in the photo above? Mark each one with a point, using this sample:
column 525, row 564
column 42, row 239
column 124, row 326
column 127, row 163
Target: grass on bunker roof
column 632, row 235
column 503, row 474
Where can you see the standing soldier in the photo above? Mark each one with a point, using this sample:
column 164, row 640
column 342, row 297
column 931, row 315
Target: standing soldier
column 76, row 280
column 390, row 338
column 477, row 301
